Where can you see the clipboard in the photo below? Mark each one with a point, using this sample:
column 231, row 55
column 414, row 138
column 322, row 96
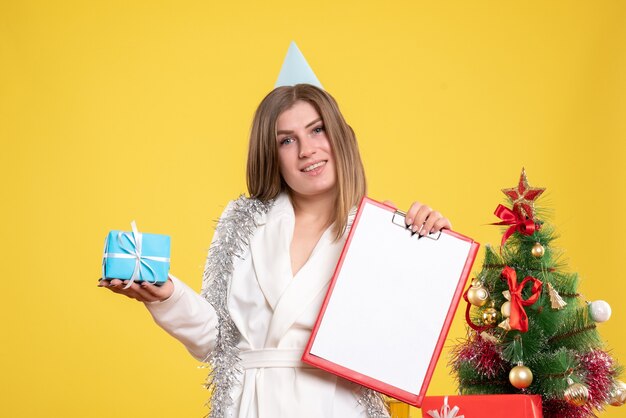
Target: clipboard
column 390, row 303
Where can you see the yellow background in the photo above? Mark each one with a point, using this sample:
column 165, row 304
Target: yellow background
column 120, row 110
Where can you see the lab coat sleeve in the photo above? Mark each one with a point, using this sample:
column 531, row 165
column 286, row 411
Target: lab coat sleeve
column 188, row 317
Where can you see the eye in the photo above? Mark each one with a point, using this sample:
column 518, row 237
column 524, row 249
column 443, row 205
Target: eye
column 318, row 129
column 286, row 140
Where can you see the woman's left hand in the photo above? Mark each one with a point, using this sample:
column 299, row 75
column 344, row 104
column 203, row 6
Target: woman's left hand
column 422, row 219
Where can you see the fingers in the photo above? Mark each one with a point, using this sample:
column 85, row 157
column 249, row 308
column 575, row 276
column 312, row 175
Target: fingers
column 138, row 292
column 410, row 216
column 115, row 284
column 421, row 217
column 429, row 224
column 143, row 292
column 424, row 220
column 119, row 286
column 442, row 223
column 416, row 216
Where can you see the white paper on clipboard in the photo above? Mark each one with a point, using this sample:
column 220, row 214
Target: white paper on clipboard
column 390, row 304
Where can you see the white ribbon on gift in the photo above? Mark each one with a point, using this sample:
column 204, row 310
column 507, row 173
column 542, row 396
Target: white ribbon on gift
column 135, row 238
column 445, row 411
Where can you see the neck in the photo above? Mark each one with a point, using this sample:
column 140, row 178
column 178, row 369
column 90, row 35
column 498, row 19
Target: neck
column 314, row 209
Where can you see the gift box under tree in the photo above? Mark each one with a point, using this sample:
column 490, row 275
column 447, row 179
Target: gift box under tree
column 482, row 406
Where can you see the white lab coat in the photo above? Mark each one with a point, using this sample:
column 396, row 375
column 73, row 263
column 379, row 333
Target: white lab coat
column 274, row 313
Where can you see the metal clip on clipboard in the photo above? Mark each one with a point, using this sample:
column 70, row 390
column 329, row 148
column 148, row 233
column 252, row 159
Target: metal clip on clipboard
column 399, row 219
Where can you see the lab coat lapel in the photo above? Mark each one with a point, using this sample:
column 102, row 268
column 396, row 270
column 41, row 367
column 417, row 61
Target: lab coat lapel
column 305, row 287
column 269, row 248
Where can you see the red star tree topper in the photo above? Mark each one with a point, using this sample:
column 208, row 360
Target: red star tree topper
column 523, row 197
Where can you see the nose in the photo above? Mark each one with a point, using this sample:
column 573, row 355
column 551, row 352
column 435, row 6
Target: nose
column 306, row 148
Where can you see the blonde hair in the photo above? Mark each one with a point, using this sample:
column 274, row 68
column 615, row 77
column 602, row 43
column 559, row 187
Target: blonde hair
column 263, row 173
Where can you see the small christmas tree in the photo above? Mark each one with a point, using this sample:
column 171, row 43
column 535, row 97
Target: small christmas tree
column 530, row 331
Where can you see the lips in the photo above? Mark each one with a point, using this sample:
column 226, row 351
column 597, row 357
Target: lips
column 313, row 166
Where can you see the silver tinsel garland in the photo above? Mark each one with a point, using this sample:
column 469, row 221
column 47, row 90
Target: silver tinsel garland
column 233, row 233
column 374, row 404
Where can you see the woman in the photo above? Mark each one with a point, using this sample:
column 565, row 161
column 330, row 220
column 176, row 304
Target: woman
column 270, row 263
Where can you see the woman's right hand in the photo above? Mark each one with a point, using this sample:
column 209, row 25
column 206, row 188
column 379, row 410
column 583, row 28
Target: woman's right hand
column 143, row 292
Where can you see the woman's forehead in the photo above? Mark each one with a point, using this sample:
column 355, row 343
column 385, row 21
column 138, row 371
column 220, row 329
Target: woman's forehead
column 299, row 114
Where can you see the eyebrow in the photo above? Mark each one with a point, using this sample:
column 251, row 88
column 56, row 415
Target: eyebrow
column 309, row 124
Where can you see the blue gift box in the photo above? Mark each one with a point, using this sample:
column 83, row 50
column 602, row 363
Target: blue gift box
column 136, row 256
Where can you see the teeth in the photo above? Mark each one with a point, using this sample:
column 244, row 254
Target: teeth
column 314, row 166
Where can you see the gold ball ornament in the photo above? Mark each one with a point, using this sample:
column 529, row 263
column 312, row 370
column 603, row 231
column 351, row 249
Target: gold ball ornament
column 576, row 394
column 538, row 250
column 477, row 294
column 520, row 376
column 618, row 395
column 490, row 315
column 505, row 309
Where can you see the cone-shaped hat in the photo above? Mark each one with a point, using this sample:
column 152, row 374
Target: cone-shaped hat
column 296, row 70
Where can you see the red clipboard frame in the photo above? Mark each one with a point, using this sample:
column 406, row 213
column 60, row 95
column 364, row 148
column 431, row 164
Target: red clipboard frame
column 372, row 383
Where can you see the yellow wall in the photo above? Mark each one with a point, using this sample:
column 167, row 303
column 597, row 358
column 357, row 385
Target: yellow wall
column 120, row 110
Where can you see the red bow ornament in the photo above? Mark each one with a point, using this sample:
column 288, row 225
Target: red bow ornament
column 518, row 319
column 517, row 222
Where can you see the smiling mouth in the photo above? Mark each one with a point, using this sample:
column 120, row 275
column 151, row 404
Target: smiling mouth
column 313, row 166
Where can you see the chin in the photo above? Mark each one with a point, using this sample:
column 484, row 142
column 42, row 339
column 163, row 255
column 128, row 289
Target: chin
column 309, row 189
column 322, row 191
column 312, row 192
